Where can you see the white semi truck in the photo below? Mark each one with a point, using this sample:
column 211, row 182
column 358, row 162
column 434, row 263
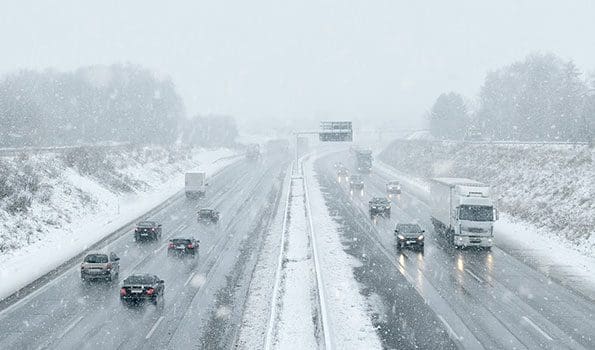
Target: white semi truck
column 464, row 211
column 196, row 185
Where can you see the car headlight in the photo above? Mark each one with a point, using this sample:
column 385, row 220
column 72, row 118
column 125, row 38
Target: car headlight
column 420, row 237
column 401, row 237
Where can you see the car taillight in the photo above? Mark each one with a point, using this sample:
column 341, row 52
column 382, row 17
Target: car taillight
column 190, row 246
column 171, row 245
column 122, row 291
column 109, row 266
column 150, row 291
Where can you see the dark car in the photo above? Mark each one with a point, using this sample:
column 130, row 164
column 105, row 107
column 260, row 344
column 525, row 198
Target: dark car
column 208, row 216
column 100, row 266
column 409, row 235
column 379, row 206
column 183, row 247
column 356, row 182
column 147, row 230
column 140, row 288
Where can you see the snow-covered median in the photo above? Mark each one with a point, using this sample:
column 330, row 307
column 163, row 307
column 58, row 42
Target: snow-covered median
column 80, row 199
column 347, row 308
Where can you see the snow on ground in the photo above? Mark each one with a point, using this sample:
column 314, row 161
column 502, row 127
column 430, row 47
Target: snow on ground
column 348, row 311
column 77, row 206
column 253, row 330
column 541, row 248
column 295, row 327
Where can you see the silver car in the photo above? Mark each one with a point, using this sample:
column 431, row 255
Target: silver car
column 100, row 266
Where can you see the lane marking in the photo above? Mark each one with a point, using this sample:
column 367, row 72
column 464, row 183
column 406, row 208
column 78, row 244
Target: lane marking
column 547, row 336
column 449, row 328
column 474, row 276
column 189, row 278
column 154, row 327
column 70, row 327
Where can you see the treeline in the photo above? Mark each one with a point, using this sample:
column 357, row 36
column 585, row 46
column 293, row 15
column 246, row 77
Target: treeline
column 97, row 104
column 542, row 98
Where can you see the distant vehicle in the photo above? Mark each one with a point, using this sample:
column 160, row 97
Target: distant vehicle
column 342, row 172
column 473, row 135
column 463, row 210
column 100, row 266
column 206, row 215
column 393, row 187
column 379, row 206
column 356, row 182
column 140, row 288
column 183, row 247
column 196, row 185
column 363, row 160
column 339, row 165
column 409, row 235
column 147, row 230
column 253, row 152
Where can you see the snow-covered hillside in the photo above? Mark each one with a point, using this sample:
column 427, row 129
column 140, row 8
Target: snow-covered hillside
column 53, row 206
column 550, row 186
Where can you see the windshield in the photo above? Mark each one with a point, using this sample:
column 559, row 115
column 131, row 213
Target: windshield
column 408, row 228
column 146, row 224
column 476, row 213
column 96, row 259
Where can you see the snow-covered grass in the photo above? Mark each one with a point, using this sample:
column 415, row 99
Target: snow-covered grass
column 545, row 250
column 549, row 186
column 348, row 311
column 82, row 197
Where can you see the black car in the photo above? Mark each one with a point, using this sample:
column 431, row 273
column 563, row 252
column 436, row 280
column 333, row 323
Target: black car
column 140, row 288
column 183, row 247
column 379, row 206
column 147, row 230
column 409, row 235
column 208, row 216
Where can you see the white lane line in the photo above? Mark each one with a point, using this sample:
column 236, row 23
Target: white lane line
column 451, row 332
column 154, row 328
column 547, row 336
column 474, row 276
column 189, row 278
column 70, row 327
column 210, row 250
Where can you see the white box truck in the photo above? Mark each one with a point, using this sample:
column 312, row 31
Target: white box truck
column 464, row 211
column 196, row 185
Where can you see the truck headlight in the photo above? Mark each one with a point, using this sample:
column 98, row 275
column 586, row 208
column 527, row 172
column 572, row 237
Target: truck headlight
column 401, row 237
column 420, row 237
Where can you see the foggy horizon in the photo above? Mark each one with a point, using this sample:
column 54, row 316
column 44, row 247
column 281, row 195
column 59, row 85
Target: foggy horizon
column 383, row 62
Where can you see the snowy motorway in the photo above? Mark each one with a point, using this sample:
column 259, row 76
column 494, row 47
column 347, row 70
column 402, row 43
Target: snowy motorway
column 481, row 298
column 67, row 314
column 296, row 262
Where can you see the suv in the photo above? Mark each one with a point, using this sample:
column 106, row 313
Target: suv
column 356, row 182
column 183, row 246
column 379, row 206
column 208, row 216
column 100, row 266
column 409, row 235
column 147, row 230
column 393, row 187
column 139, row 288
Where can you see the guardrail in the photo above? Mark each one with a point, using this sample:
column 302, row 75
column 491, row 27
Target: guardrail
column 13, row 151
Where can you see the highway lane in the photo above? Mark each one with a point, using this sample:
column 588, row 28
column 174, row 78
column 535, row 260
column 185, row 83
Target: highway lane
column 501, row 301
column 67, row 313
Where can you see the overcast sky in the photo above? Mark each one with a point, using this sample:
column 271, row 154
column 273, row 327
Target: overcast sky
column 328, row 59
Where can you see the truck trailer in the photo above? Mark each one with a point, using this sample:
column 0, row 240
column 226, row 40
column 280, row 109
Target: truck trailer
column 195, row 185
column 363, row 160
column 463, row 210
